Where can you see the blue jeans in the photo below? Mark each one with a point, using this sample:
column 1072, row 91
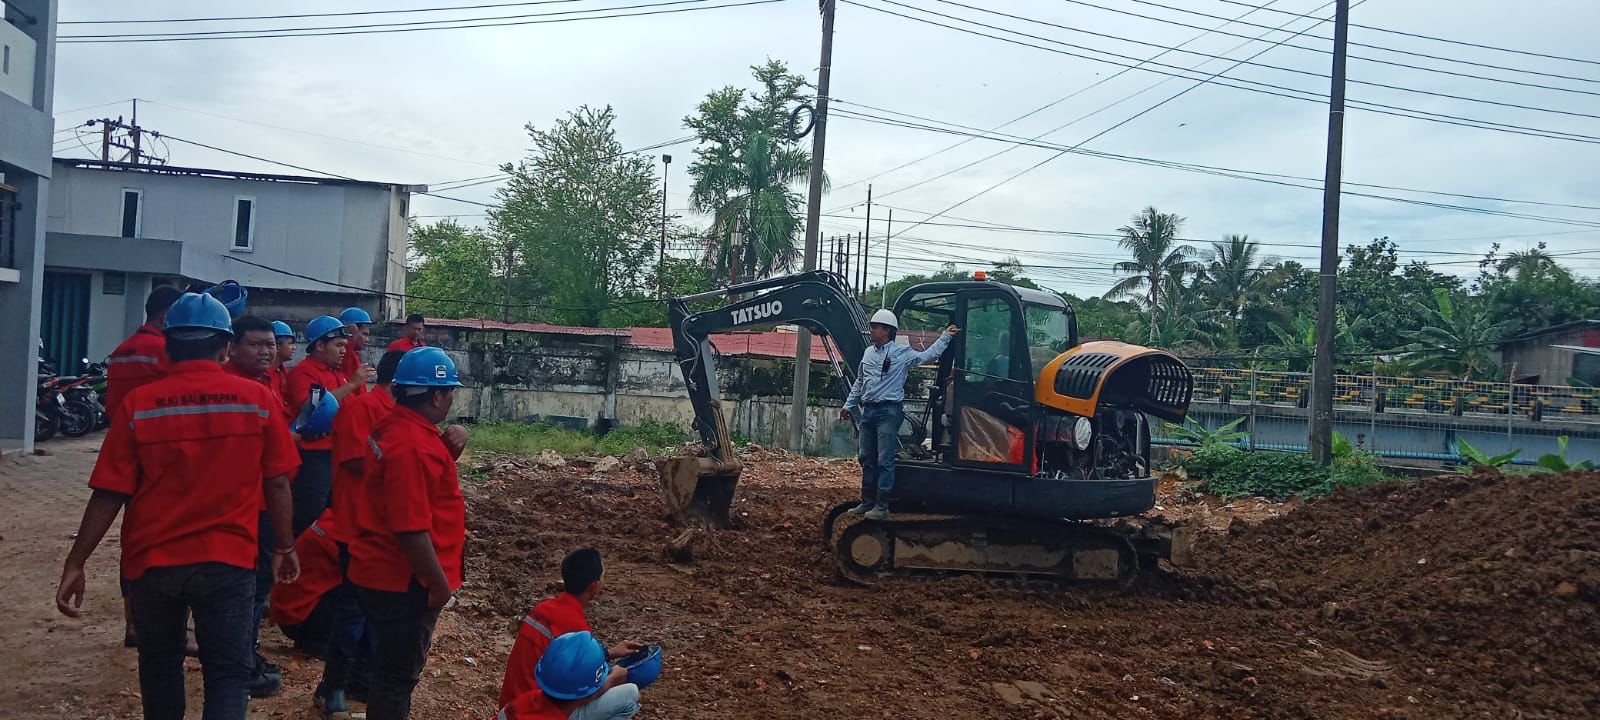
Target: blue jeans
column 348, row 637
column 618, row 703
column 222, row 599
column 880, row 438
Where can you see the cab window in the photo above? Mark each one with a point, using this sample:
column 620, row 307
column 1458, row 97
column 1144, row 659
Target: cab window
column 1048, row 335
column 987, row 343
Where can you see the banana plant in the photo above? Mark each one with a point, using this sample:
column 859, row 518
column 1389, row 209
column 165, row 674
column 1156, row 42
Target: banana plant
column 1477, row 458
column 1192, row 431
column 1557, row 462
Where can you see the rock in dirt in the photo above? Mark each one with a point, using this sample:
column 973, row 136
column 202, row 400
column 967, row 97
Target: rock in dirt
column 638, row 459
column 606, row 464
column 550, row 459
column 681, row 548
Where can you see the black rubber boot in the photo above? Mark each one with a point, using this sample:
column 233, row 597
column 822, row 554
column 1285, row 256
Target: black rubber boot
column 866, row 505
column 879, row 511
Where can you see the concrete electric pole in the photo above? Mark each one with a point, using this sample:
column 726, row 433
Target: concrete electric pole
column 819, row 138
column 1327, row 275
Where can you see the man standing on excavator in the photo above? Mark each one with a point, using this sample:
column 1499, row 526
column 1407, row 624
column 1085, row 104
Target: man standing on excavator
column 877, row 401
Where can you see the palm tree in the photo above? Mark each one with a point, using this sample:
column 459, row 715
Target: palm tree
column 1528, row 264
column 1152, row 238
column 1297, row 343
column 1183, row 320
column 1455, row 337
column 755, row 208
column 1235, row 274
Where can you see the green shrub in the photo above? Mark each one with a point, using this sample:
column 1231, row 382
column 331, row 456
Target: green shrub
column 535, row 438
column 652, row 435
column 1229, row 472
column 1192, row 432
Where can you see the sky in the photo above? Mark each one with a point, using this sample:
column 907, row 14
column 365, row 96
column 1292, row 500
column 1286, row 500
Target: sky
column 437, row 106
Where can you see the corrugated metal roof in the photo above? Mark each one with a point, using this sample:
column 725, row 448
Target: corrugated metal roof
column 542, row 328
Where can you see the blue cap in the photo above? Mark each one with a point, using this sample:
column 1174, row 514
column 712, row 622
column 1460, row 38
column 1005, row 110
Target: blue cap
column 426, row 367
column 197, row 312
column 232, row 295
column 282, row 329
column 355, row 316
column 323, row 326
column 573, row 667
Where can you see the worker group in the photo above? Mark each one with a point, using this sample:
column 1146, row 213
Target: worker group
column 319, row 493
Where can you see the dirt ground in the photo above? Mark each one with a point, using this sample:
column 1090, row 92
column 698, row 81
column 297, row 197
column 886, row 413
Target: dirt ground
column 1445, row 598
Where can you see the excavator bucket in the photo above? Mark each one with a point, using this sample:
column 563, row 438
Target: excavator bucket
column 698, row 490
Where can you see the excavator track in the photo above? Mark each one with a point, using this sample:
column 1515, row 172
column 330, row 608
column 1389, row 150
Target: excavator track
column 912, row 545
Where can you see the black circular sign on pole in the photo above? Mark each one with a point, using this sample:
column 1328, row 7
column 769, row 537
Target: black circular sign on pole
column 794, row 130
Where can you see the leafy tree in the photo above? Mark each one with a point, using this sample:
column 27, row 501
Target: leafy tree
column 745, row 172
column 1151, row 237
column 1530, row 264
column 1456, row 337
column 1104, row 319
column 1372, row 284
column 1183, row 320
column 584, row 214
column 1235, row 276
column 1526, row 293
column 946, row 273
column 679, row 277
column 452, row 261
column 1297, row 343
column 1009, row 271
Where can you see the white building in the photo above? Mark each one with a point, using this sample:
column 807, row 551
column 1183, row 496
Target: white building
column 27, row 76
column 303, row 246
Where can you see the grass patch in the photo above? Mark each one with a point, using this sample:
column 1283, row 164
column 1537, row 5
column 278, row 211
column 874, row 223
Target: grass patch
column 535, row 438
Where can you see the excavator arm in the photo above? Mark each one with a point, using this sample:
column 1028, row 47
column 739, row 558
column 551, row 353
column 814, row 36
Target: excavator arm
column 699, row 490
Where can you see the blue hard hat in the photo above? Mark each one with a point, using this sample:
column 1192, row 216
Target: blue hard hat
column 643, row 666
column 573, row 667
column 282, row 329
column 197, row 311
column 323, row 326
column 232, row 295
column 354, row 316
column 316, row 416
column 426, row 367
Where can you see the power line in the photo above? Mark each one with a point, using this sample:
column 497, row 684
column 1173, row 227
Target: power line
column 317, row 134
column 1044, row 107
column 473, row 182
column 1529, row 53
column 257, row 157
column 1241, row 175
column 1270, row 66
column 1267, row 88
column 135, row 21
column 1374, row 60
column 388, row 28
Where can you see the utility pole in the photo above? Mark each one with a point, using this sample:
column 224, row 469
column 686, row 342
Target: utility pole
column 883, row 294
column 134, row 151
column 819, row 140
column 505, row 311
column 1327, row 278
column 661, row 265
column 866, row 242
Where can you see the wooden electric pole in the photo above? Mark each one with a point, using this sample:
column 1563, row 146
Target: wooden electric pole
column 819, row 140
column 1327, row 274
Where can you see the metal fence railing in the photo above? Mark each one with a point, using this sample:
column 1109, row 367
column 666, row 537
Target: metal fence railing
column 1440, row 396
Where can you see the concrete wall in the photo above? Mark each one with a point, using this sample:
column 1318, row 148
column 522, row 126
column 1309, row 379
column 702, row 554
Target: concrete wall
column 17, row 59
column 26, row 128
column 339, row 233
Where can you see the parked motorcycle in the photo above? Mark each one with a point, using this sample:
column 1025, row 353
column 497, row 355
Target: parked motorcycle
column 84, row 410
column 48, row 416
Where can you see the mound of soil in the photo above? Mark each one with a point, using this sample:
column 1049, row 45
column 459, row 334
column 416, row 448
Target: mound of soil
column 1492, row 580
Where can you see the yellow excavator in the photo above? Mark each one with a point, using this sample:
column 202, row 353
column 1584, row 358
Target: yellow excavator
column 1031, row 455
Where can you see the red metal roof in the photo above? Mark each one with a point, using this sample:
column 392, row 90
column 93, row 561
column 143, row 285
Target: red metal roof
column 473, row 324
column 754, row 344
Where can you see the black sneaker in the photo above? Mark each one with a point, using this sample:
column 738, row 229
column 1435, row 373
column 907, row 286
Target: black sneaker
column 264, row 685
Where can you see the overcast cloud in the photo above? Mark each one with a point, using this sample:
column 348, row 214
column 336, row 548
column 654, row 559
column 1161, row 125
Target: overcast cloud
column 466, row 94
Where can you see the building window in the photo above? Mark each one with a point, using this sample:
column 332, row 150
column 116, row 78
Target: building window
column 132, row 212
column 114, row 283
column 244, row 224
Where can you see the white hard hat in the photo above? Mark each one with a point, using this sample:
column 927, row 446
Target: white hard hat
column 886, row 317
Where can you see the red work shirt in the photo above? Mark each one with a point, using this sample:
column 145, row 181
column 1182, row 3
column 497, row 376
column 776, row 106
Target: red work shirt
column 411, row 486
column 297, row 389
column 278, row 378
column 191, row 451
column 558, row 615
column 406, row 344
column 352, row 435
column 265, row 380
column 352, row 363
column 531, row 705
column 140, row 359
column 319, row 574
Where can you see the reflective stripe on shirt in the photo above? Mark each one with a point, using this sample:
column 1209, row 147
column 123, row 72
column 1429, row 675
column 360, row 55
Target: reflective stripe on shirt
column 200, row 410
column 134, row 358
column 535, row 624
